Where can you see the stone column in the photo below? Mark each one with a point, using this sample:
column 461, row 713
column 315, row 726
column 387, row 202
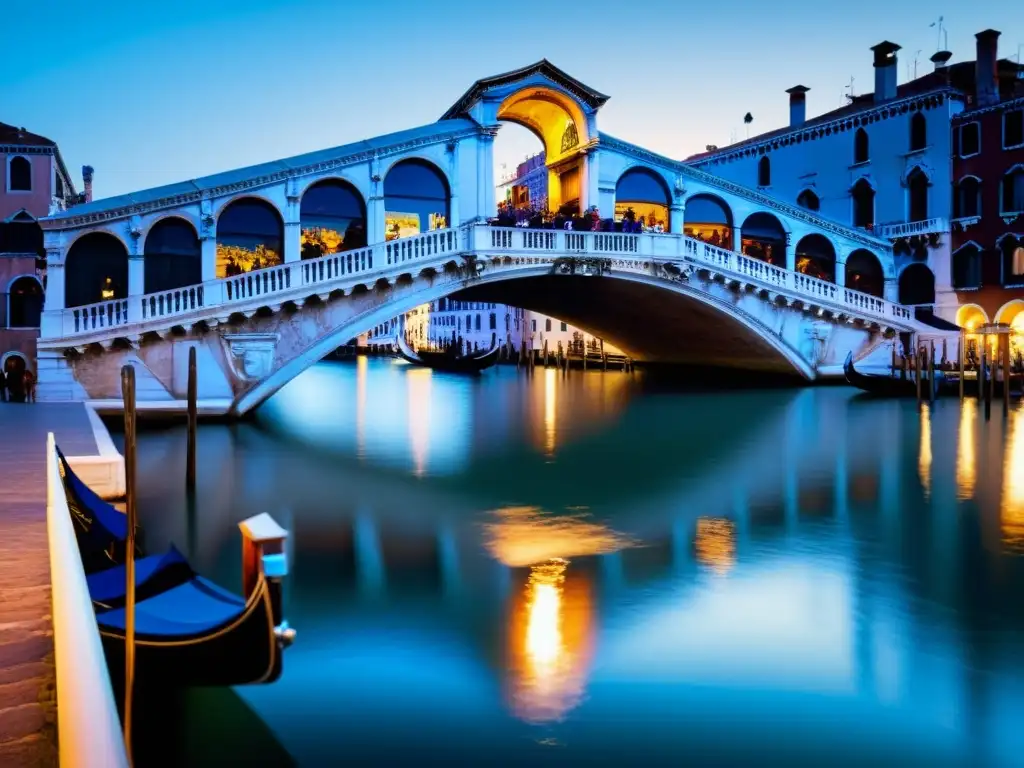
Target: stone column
column 488, row 206
column 841, row 270
column 136, row 270
column 737, row 239
column 292, row 224
column 590, row 192
column 790, row 253
column 208, row 240
column 677, row 217
column 51, row 323
column 554, row 191
column 891, row 290
column 375, row 205
column 454, row 182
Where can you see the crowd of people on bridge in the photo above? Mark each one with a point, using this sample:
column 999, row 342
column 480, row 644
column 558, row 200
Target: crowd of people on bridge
column 569, row 218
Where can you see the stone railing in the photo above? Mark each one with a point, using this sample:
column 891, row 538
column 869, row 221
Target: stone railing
column 88, row 725
column 910, row 228
column 259, row 284
column 299, row 279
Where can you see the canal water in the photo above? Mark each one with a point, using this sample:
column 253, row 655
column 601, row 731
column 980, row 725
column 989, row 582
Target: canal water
column 600, row 566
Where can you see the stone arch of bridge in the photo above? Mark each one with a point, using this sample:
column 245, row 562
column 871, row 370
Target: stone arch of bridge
column 647, row 317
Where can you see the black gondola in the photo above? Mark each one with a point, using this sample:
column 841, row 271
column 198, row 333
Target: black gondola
column 188, row 630
column 882, row 386
column 449, row 362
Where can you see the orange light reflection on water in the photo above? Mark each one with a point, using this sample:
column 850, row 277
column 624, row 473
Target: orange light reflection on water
column 1011, row 513
column 716, row 544
column 924, row 455
column 966, row 457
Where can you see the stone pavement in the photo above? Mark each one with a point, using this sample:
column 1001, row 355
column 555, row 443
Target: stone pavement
column 28, row 706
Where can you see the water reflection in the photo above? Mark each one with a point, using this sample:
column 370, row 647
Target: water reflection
column 1012, row 511
column 550, row 410
column 524, row 536
column 716, row 544
column 419, row 417
column 924, row 452
column 966, row 472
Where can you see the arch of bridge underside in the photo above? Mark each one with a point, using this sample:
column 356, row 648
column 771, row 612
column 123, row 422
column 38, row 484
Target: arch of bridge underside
column 650, row 318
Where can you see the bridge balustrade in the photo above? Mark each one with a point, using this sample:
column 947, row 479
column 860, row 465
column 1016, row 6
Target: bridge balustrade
column 287, row 281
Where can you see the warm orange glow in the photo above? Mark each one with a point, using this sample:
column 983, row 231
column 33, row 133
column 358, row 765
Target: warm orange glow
column 362, row 369
column 551, row 631
column 716, row 544
column 924, row 454
column 550, row 410
column 966, row 470
column 1011, row 512
column 419, row 381
column 235, row 259
column 524, row 536
column 327, row 240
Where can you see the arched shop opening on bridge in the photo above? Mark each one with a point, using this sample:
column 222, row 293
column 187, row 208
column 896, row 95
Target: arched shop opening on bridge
column 332, row 218
column 173, row 255
column 417, row 198
column 24, row 302
column 864, row 273
column 709, row 218
column 642, row 195
column 250, row 235
column 95, row 270
column 917, row 286
column 971, row 317
column 764, row 238
column 816, row 257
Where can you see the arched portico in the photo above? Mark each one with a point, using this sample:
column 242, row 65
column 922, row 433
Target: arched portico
column 709, row 218
column 642, row 194
column 24, row 302
column 816, row 256
column 916, row 285
column 764, row 238
column 970, row 317
column 864, row 273
column 95, row 270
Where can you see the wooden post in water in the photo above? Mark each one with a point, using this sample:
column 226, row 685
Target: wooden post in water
column 128, row 396
column 960, row 362
column 193, row 388
column 931, row 372
column 903, row 367
column 1006, row 375
column 987, row 385
column 547, row 359
column 982, row 363
column 993, row 365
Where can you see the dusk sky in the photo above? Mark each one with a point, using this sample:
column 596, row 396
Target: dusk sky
column 153, row 93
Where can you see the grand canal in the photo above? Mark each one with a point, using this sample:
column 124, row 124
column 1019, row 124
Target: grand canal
column 601, row 567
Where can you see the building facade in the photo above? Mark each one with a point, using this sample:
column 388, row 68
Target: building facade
column 988, row 199
column 881, row 163
column 34, row 183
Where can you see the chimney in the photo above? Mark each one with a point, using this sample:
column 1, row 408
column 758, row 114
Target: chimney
column 87, row 180
column 885, row 70
column 940, row 59
column 986, row 86
column 797, row 105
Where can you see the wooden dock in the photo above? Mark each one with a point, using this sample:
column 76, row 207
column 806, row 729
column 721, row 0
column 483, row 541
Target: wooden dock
column 28, row 713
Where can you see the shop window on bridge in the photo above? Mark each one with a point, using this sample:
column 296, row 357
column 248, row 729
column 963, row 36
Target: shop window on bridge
column 1012, row 251
column 173, row 256
column 22, row 235
column 764, row 172
column 708, row 218
column 95, row 269
column 807, row 199
column 250, row 235
column 641, row 194
column 864, row 273
column 1013, row 191
column 917, row 193
column 332, row 218
column 815, row 257
column 863, row 196
column 19, row 174
column 417, row 199
column 861, row 146
column 917, row 285
column 918, row 132
column 764, row 238
column 967, row 198
column 24, row 302
column 967, row 267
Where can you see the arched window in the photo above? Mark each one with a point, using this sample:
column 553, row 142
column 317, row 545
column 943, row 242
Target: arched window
column 24, row 303
column 643, row 192
column 95, row 269
column 19, row 174
column 967, row 267
column 860, row 146
column 1012, row 249
column 764, row 172
column 967, row 198
column 708, row 218
column 14, row 365
column 864, row 273
column 863, row 204
column 918, row 132
column 807, row 199
column 816, row 257
column 1013, row 191
column 764, row 239
column 333, row 219
column 917, row 285
column 917, row 192
column 173, row 256
column 250, row 235
column 21, row 234
column 416, row 199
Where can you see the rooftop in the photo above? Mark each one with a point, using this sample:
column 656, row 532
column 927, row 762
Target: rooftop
column 13, row 135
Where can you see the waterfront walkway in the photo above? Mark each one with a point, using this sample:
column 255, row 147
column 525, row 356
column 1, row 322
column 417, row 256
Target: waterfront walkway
column 28, row 716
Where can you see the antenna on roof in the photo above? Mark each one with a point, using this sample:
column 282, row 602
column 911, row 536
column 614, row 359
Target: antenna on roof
column 849, row 96
column 916, row 54
column 942, row 36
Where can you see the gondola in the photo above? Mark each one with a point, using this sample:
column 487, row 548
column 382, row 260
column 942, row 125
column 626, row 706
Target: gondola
column 449, row 362
column 881, row 386
column 188, row 630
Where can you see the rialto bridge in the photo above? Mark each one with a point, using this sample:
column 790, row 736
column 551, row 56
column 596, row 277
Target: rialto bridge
column 266, row 269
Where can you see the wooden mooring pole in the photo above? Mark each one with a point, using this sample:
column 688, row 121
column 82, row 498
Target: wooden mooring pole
column 193, row 388
column 918, row 372
column 1006, row 375
column 931, row 372
column 130, row 437
column 963, row 354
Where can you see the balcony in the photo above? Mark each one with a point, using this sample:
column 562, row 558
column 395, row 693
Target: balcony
column 896, row 230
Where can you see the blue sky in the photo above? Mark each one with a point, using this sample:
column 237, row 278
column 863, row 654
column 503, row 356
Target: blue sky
column 152, row 93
